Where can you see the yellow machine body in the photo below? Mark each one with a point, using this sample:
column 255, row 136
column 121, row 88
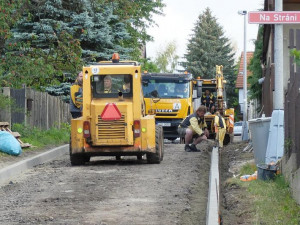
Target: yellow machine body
column 131, row 133
column 217, row 87
column 169, row 105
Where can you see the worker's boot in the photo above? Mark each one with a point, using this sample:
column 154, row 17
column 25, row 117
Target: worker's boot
column 187, row 148
column 194, row 148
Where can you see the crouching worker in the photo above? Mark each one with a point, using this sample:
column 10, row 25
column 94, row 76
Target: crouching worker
column 220, row 128
column 194, row 126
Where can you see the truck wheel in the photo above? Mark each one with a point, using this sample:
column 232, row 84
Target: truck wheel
column 87, row 158
column 226, row 139
column 77, row 159
column 157, row 157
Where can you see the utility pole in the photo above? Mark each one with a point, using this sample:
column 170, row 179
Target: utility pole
column 245, row 113
column 278, row 60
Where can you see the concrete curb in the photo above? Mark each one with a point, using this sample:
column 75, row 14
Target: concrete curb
column 212, row 213
column 8, row 172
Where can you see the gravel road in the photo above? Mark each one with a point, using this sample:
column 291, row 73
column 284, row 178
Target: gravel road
column 106, row 191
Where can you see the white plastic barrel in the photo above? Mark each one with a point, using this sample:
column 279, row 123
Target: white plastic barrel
column 259, row 129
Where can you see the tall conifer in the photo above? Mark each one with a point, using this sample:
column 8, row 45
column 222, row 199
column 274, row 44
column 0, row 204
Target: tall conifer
column 209, row 47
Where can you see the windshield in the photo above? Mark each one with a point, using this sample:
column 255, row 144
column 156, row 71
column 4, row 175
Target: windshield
column 107, row 86
column 166, row 89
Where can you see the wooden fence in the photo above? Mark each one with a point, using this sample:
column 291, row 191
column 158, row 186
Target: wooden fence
column 35, row 108
column 268, row 88
column 292, row 105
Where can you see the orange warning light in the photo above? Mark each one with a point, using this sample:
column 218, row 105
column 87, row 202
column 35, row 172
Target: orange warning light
column 115, row 58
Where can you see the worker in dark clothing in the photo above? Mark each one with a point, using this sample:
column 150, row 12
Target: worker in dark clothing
column 76, row 97
column 208, row 99
column 194, row 126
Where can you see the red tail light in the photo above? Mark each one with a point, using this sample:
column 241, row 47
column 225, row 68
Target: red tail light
column 137, row 128
column 86, row 129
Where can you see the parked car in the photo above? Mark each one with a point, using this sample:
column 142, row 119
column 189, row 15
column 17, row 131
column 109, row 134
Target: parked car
column 238, row 128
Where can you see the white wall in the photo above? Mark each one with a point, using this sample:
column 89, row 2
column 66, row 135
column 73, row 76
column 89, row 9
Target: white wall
column 253, row 106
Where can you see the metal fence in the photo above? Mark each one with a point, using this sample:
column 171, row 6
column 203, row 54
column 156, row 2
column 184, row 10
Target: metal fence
column 292, row 103
column 35, row 108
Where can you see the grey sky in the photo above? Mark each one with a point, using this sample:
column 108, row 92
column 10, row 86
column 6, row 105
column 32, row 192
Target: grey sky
column 180, row 17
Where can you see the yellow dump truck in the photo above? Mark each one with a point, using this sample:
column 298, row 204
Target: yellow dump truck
column 170, row 98
column 113, row 121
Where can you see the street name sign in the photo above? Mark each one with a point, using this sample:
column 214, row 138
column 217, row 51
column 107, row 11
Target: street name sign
column 273, row 17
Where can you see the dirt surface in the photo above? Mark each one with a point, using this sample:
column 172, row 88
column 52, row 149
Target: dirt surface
column 107, row 191
column 235, row 207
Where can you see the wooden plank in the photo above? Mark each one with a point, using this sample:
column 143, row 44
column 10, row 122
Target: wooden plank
column 47, row 111
column 29, row 111
column 18, row 115
column 43, row 110
column 57, row 122
column 50, row 111
column 4, row 124
column 5, row 114
column 16, row 134
column 37, row 111
column 25, row 145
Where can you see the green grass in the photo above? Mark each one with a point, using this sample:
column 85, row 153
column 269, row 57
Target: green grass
column 248, row 168
column 42, row 138
column 272, row 200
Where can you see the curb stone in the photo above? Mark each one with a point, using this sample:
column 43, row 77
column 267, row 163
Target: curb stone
column 15, row 169
column 212, row 215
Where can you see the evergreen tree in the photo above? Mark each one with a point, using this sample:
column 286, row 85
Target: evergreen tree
column 92, row 23
column 137, row 15
column 209, row 47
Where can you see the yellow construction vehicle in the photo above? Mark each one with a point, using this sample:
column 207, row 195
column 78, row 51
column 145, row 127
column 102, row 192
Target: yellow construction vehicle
column 170, row 97
column 217, row 88
column 113, row 121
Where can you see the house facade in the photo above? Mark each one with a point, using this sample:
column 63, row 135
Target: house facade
column 252, row 104
column 291, row 84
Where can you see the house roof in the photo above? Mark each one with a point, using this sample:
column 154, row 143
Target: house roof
column 240, row 79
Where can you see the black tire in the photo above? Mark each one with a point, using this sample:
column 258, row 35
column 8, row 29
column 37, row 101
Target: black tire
column 77, row 159
column 172, row 139
column 139, row 157
column 226, row 139
column 157, row 157
column 118, row 157
column 87, row 158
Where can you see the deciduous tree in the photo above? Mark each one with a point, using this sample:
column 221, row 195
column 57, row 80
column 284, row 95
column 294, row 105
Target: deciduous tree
column 167, row 59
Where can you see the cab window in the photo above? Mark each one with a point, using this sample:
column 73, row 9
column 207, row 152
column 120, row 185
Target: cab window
column 110, row 86
column 165, row 88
